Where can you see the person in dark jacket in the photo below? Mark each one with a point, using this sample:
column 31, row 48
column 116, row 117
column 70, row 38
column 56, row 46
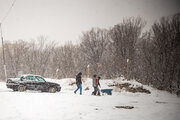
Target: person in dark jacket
column 79, row 83
column 94, row 84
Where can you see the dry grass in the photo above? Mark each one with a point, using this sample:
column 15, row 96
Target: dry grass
column 129, row 88
column 87, row 88
column 72, row 83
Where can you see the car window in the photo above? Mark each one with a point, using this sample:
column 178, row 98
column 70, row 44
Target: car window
column 40, row 79
column 29, row 78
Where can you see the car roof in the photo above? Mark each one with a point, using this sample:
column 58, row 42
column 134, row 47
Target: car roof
column 24, row 75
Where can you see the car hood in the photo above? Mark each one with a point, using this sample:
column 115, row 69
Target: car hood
column 51, row 83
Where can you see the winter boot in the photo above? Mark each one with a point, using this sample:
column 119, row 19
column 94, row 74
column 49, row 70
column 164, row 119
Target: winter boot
column 99, row 94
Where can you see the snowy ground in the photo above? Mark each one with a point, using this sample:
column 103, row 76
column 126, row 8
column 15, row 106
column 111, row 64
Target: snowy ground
column 65, row 105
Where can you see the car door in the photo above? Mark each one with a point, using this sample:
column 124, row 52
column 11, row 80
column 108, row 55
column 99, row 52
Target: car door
column 30, row 82
column 41, row 83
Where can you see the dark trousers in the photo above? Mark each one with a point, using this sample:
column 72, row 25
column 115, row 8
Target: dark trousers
column 95, row 90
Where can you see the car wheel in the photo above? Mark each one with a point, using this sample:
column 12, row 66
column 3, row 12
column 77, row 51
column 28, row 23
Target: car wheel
column 15, row 89
column 52, row 89
column 21, row 88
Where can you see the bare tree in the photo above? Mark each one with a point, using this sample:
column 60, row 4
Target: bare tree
column 64, row 61
column 160, row 54
column 123, row 39
column 167, row 45
column 93, row 45
column 15, row 53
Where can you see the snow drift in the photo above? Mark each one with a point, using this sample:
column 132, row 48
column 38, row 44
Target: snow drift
column 65, row 105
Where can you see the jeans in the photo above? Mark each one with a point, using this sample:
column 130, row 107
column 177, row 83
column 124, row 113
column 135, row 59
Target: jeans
column 79, row 86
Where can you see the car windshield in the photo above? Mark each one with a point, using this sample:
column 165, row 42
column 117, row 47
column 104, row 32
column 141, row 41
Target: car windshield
column 19, row 76
column 40, row 79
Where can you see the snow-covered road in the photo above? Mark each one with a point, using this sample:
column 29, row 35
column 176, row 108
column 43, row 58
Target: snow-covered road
column 66, row 105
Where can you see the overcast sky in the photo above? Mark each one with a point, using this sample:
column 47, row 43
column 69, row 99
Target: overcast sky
column 64, row 20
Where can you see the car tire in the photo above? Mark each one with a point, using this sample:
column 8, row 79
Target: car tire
column 15, row 89
column 52, row 89
column 21, row 88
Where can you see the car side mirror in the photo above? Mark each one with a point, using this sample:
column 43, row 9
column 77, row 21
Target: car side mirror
column 22, row 78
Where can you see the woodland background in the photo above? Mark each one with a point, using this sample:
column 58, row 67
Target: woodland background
column 154, row 54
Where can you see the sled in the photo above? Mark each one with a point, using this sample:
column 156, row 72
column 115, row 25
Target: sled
column 107, row 91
